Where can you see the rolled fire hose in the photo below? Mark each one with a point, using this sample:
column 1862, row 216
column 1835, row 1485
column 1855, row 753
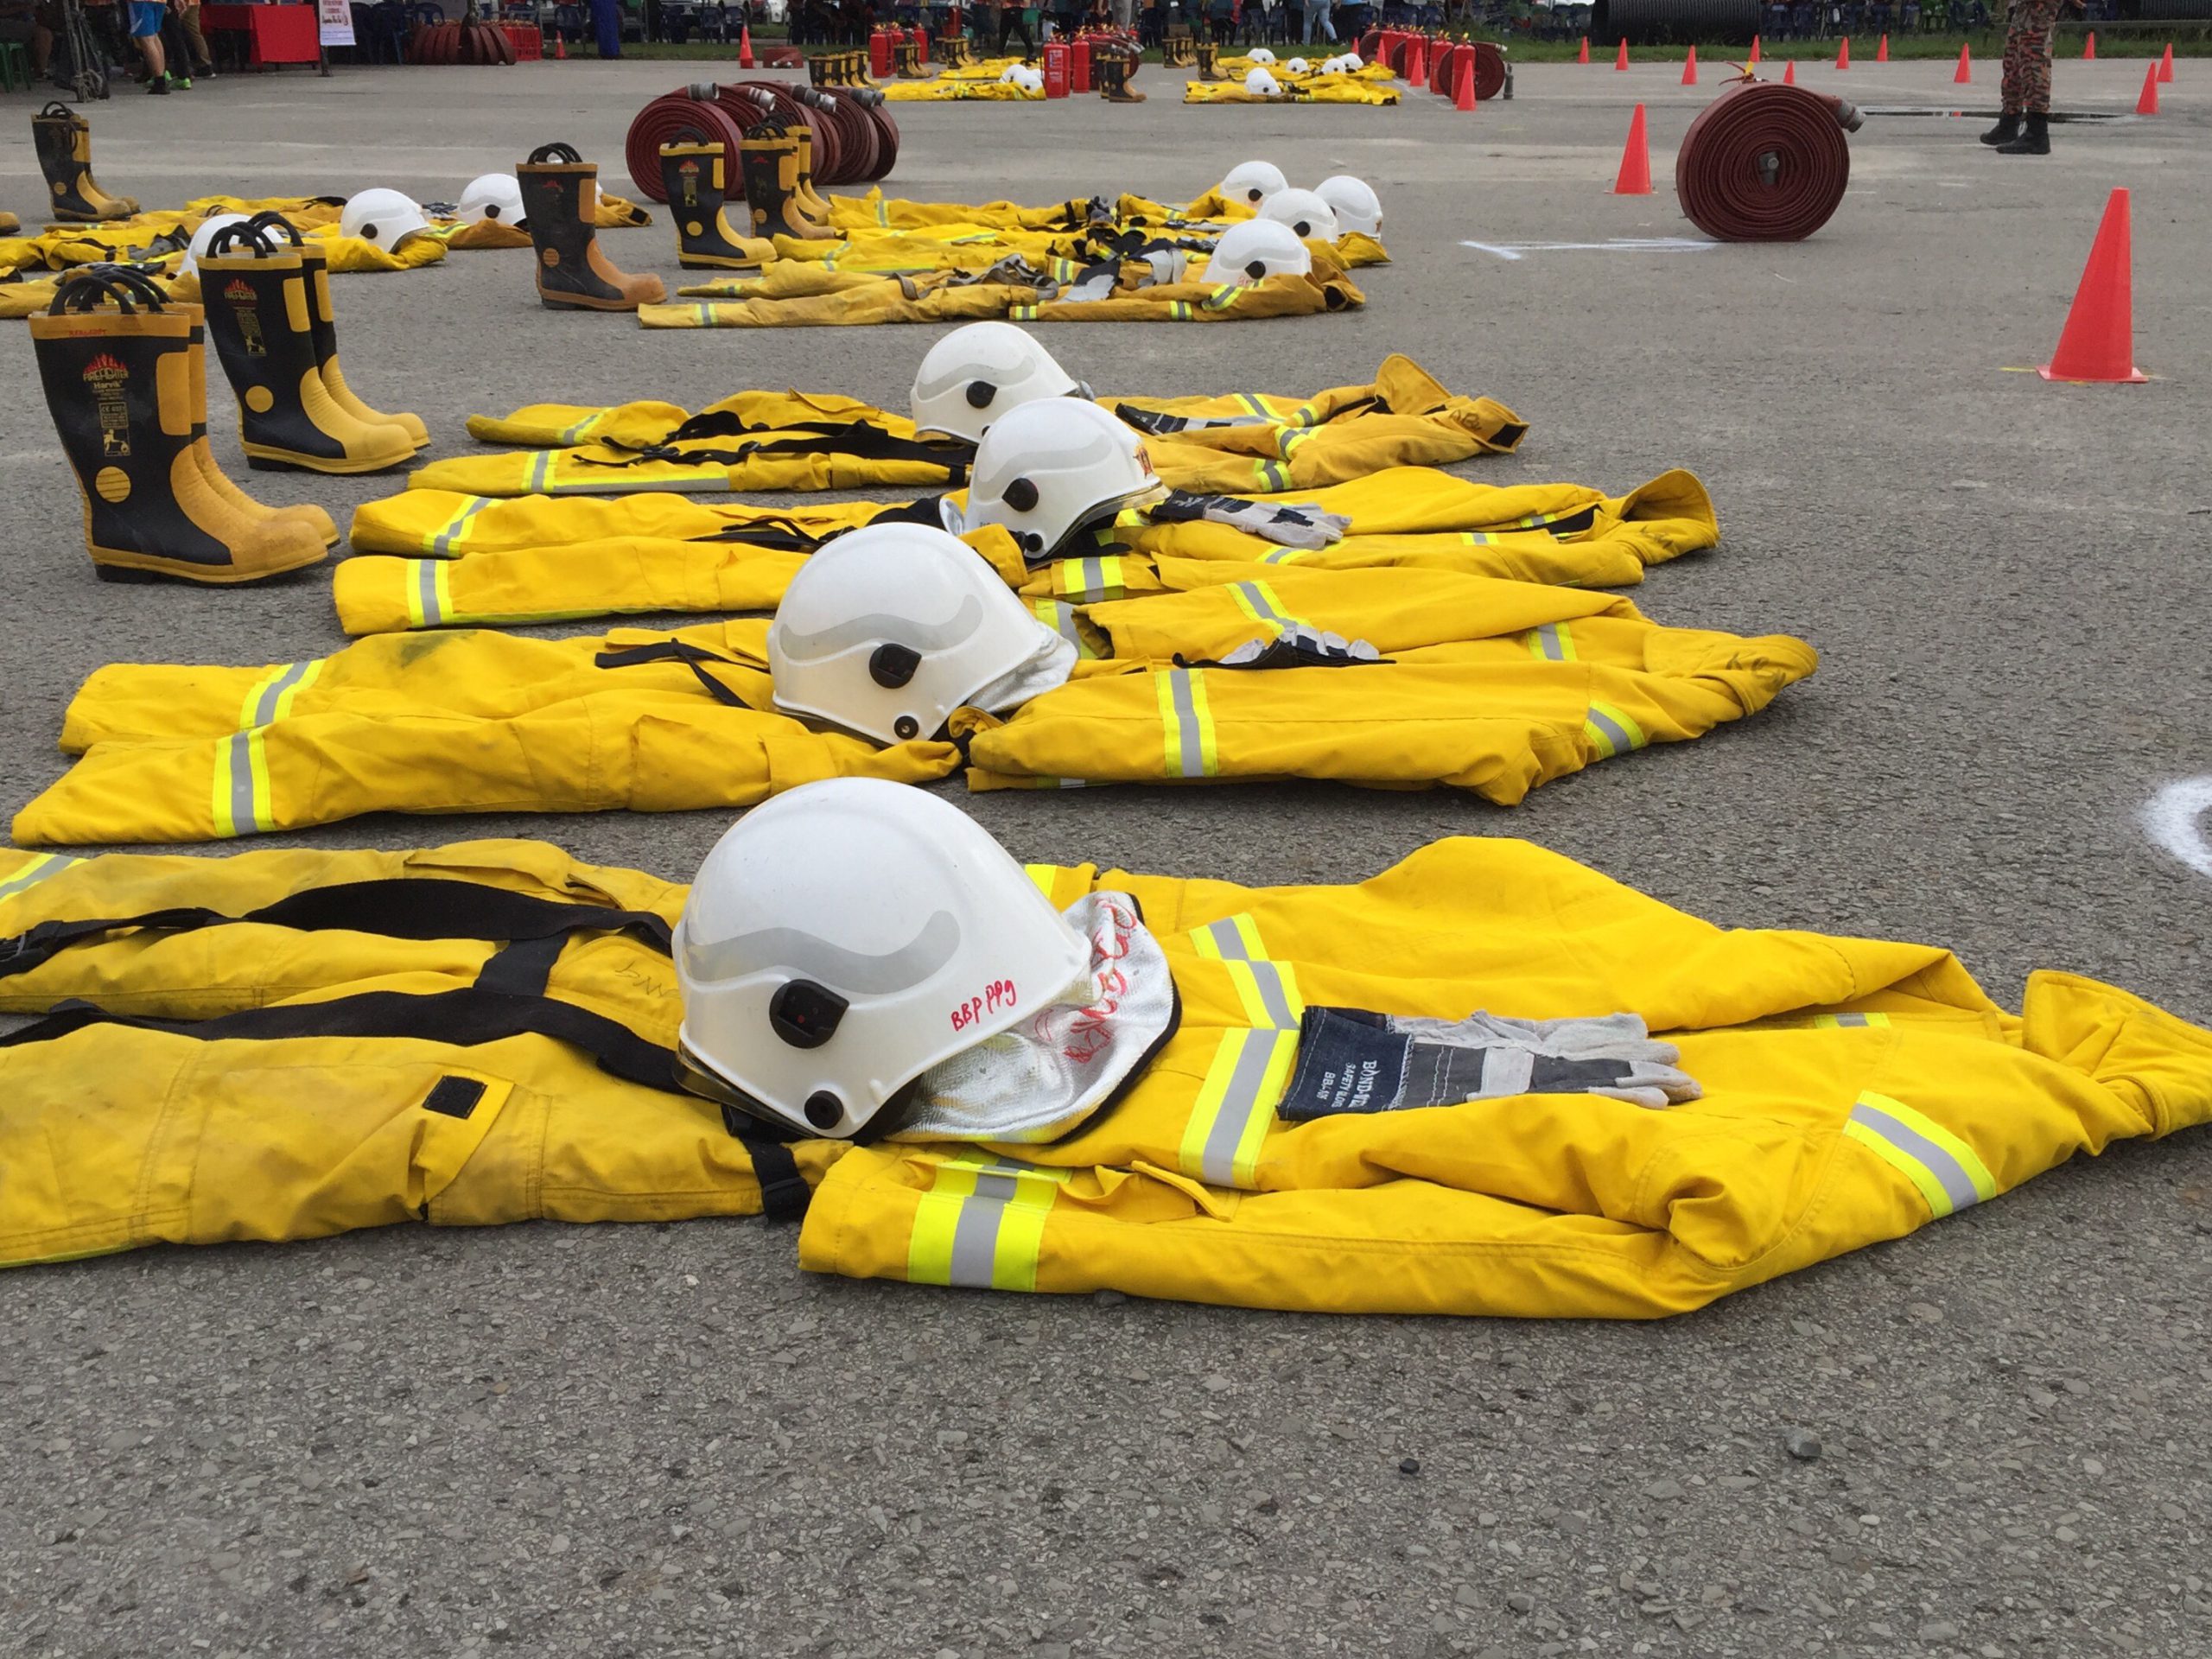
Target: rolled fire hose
column 1766, row 163
column 687, row 116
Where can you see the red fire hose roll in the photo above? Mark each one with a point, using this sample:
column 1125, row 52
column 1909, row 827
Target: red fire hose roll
column 1765, row 163
column 680, row 116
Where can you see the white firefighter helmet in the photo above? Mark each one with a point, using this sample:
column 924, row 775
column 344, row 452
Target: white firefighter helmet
column 1354, row 202
column 1308, row 216
column 204, row 235
column 1261, row 54
column 888, row 629
column 1256, row 249
column 1253, row 182
column 1354, row 62
column 1298, row 66
column 976, row 373
column 844, row 938
column 384, row 216
column 1261, row 83
column 493, row 195
column 1046, row 469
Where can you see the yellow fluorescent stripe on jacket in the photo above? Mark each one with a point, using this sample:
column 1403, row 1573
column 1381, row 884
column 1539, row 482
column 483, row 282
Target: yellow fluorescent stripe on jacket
column 1537, row 1205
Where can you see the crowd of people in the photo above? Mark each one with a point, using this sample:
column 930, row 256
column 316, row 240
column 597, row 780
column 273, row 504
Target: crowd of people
column 162, row 37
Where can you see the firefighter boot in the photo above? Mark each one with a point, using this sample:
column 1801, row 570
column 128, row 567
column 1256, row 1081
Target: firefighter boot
column 1112, row 71
column 118, row 382
column 771, row 166
column 323, row 323
column 809, row 200
column 1209, row 59
column 695, row 178
column 64, row 141
column 261, row 318
column 560, row 194
column 324, row 528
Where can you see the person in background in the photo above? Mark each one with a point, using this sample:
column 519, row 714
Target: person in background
column 606, row 23
column 32, row 27
column 184, row 18
column 2026, row 95
column 1318, row 25
column 1018, row 20
column 1221, row 20
column 146, row 16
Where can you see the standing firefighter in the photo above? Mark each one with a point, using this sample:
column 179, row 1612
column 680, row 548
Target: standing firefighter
column 2028, row 24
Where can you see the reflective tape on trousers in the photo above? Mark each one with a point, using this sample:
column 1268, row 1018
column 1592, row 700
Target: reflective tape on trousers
column 1090, row 581
column 240, row 803
column 1946, row 1171
column 447, row 536
column 982, row 1223
column 1186, row 723
column 270, row 698
column 1553, row 643
column 1257, row 601
column 1610, row 731
column 34, row 870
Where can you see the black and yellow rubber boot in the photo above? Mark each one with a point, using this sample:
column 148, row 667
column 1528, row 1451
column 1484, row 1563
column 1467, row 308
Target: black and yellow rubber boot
column 261, row 318
column 810, row 201
column 116, row 364
column 771, row 167
column 696, row 177
column 323, row 322
column 560, row 199
column 64, row 141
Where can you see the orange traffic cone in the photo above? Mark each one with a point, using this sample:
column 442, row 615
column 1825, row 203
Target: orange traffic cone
column 745, row 46
column 1789, row 72
column 1882, row 50
column 1620, row 58
column 1689, row 68
column 2167, row 64
column 1755, row 48
column 2089, row 47
column 2148, row 103
column 1582, row 56
column 1965, row 74
column 1843, row 54
column 560, row 46
column 1463, row 97
column 2098, row 342
column 1635, row 178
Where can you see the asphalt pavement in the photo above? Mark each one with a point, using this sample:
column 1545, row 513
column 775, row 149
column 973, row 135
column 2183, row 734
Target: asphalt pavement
column 665, row 1441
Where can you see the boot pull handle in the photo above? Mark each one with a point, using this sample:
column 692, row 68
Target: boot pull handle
column 84, row 288
column 269, row 221
column 54, row 109
column 247, row 233
column 560, row 154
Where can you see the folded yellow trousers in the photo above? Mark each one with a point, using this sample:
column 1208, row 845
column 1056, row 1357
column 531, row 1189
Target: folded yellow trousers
column 1855, row 1090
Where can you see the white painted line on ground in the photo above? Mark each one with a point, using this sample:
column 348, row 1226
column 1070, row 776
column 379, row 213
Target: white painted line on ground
column 2175, row 818
column 1618, row 244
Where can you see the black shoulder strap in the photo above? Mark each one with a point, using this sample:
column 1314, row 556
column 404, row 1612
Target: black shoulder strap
column 695, row 657
column 394, row 907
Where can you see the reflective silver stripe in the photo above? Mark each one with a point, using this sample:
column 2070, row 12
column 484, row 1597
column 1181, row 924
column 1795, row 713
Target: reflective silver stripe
column 426, row 592
column 41, row 865
column 540, row 464
column 1266, row 977
column 243, row 820
column 1255, row 1054
column 1190, row 757
column 1061, row 619
column 1614, row 733
column 1850, row 1018
column 1950, row 1175
column 264, row 706
column 1272, row 473
column 1549, row 645
column 443, row 540
column 574, row 434
column 976, row 1235
column 1255, row 596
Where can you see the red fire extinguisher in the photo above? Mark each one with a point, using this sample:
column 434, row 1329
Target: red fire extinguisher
column 1056, row 69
